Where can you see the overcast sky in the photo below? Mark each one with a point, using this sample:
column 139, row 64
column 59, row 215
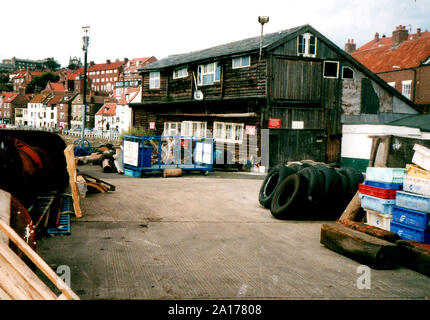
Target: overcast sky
column 130, row 28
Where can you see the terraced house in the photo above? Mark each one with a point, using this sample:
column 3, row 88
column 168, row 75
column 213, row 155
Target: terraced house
column 299, row 85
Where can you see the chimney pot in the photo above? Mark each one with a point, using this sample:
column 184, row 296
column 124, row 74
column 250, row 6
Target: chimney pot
column 107, row 61
column 350, row 46
column 419, row 32
column 376, row 36
column 399, row 35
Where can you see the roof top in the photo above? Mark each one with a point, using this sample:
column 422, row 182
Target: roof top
column 75, row 74
column 39, row 98
column 380, row 56
column 132, row 92
column 55, row 99
column 421, row 121
column 105, row 66
column 8, row 97
column 57, row 87
column 108, row 109
column 235, row 47
column 134, row 64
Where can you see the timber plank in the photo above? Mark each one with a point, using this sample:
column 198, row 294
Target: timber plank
column 24, row 271
column 71, row 169
column 366, row 249
column 4, row 295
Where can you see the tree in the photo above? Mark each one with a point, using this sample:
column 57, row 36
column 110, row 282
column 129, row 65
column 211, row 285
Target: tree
column 51, row 64
column 40, row 82
column 5, row 84
column 72, row 66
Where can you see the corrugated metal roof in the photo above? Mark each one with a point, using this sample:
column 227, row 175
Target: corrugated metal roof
column 235, row 47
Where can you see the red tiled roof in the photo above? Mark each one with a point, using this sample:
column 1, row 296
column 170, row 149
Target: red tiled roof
column 8, row 97
column 105, row 66
column 75, row 74
column 39, row 98
column 139, row 62
column 55, row 99
column 108, row 109
column 379, row 56
column 57, row 87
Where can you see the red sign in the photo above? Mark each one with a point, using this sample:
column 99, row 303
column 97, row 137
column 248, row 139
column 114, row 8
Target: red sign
column 274, row 123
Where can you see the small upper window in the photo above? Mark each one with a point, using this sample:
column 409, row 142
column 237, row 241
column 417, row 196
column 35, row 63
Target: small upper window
column 331, row 69
column 406, row 88
column 307, row 45
column 347, row 73
column 154, row 80
column 241, row 62
column 208, row 73
column 180, row 73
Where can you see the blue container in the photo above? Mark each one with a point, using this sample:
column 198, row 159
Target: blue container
column 377, row 204
column 384, row 185
column 132, row 173
column 410, row 233
column 145, row 156
column 412, row 218
column 412, row 201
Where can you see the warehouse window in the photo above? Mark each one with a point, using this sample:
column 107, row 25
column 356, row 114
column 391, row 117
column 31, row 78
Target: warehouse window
column 208, row 73
column 180, row 73
column 406, row 88
column 172, row 129
column 193, row 129
column 331, row 69
column 154, row 80
column 347, row 73
column 306, row 45
column 241, row 62
column 228, row 132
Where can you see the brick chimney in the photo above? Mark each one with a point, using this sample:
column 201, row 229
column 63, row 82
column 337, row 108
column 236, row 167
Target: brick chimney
column 399, row 35
column 350, row 46
column 91, row 63
column 107, row 61
column 418, row 32
column 376, row 37
column 125, row 60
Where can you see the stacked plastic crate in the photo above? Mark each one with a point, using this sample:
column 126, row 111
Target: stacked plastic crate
column 411, row 214
column 378, row 194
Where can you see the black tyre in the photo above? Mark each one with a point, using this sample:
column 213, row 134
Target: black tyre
column 355, row 177
column 296, row 166
column 271, row 182
column 315, row 192
column 288, row 197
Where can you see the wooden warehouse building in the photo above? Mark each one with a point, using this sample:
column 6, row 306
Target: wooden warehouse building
column 302, row 88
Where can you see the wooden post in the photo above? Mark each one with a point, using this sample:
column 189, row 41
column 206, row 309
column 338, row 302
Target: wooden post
column 5, row 209
column 172, row 172
column 71, row 169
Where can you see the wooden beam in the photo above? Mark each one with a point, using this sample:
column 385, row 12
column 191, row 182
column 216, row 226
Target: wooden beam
column 38, row 261
column 4, row 295
column 352, row 211
column 366, row 249
column 71, row 169
column 415, row 256
column 5, row 210
column 371, row 230
column 26, row 273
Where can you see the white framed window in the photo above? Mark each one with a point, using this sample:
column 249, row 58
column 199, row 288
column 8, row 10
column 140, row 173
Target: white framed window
column 172, row 129
column 180, row 73
column 228, row 132
column 193, row 129
column 209, row 73
column 347, row 73
column 307, row 45
column 154, row 80
column 331, row 69
column 241, row 62
column 392, row 84
column 406, row 88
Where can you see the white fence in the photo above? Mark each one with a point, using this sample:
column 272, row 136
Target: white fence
column 95, row 134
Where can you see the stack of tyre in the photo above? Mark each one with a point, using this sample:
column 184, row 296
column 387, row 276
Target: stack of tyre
column 309, row 190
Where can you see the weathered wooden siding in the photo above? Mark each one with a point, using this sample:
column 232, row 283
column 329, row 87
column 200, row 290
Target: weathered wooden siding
column 289, row 48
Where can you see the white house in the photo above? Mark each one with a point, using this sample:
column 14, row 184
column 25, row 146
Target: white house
column 106, row 118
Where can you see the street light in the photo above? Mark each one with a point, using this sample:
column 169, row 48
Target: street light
column 262, row 20
column 86, row 41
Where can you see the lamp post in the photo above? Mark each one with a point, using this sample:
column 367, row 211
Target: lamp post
column 86, row 40
column 262, row 20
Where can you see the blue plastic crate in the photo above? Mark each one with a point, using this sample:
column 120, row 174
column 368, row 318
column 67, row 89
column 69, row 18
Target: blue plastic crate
column 132, row 173
column 377, row 204
column 409, row 217
column 384, row 185
column 410, row 233
column 413, row 201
